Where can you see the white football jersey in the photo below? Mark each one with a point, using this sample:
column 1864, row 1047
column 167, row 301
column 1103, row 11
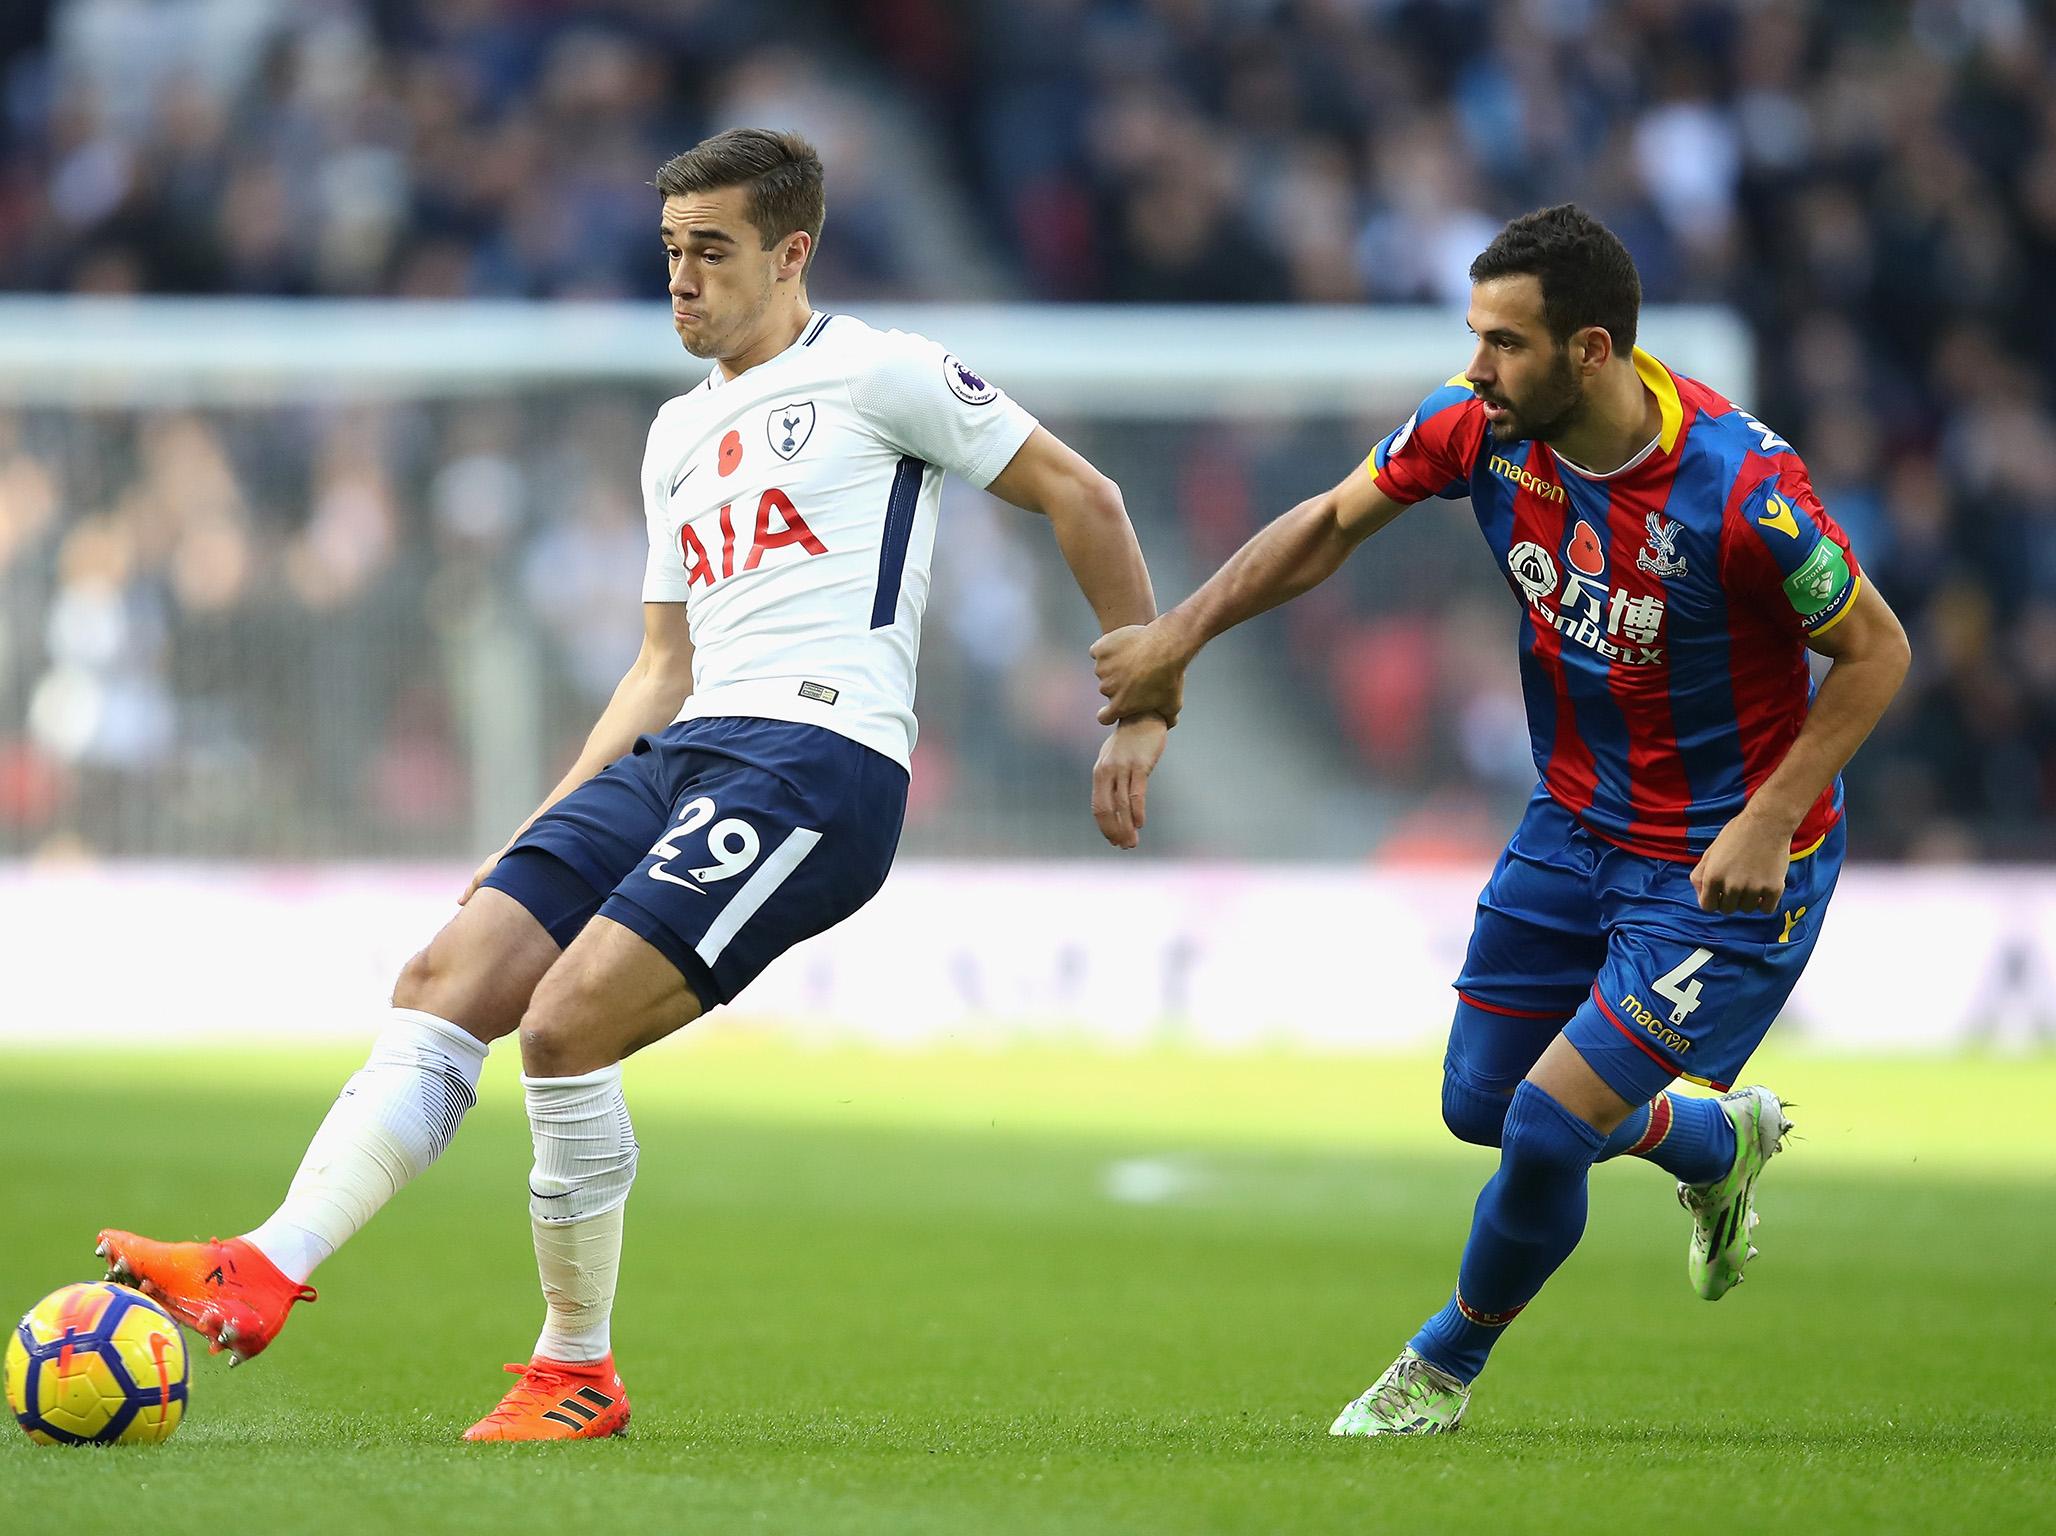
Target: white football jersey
column 792, row 510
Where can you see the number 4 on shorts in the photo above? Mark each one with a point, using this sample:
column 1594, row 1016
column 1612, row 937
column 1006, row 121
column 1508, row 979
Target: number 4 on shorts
column 1677, row 988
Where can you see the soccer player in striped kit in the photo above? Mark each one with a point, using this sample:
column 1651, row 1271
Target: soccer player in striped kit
column 742, row 791
column 1669, row 879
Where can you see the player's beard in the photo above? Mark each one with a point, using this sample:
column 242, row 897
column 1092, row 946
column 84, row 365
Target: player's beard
column 1554, row 409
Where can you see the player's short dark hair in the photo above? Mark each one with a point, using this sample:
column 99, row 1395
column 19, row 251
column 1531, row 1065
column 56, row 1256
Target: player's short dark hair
column 781, row 171
column 1587, row 275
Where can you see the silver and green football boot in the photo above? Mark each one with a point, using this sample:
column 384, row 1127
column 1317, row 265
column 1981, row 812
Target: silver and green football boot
column 1411, row 1398
column 1723, row 1214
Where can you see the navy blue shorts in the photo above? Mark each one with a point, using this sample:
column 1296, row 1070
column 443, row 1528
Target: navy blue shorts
column 723, row 842
column 1613, row 949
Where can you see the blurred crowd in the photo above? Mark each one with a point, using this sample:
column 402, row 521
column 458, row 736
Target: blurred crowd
column 384, row 628
column 1872, row 183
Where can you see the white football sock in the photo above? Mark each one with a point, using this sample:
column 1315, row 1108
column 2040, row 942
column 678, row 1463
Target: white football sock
column 392, row 1119
column 584, row 1164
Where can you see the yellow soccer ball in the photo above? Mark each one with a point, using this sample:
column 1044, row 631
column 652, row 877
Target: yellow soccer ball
column 97, row 1364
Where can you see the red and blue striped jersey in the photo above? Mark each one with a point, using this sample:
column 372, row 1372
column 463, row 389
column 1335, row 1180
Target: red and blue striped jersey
column 1665, row 606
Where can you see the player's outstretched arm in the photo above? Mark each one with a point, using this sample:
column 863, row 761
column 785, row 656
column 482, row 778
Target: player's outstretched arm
column 1142, row 668
column 1090, row 520
column 648, row 698
column 1744, row 869
column 1098, row 543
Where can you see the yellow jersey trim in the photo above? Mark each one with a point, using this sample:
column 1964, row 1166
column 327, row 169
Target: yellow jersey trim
column 1855, row 591
column 1811, row 848
column 1665, row 388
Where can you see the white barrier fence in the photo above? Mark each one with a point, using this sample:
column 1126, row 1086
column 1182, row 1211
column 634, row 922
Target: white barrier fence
column 1218, row 957
column 1124, row 361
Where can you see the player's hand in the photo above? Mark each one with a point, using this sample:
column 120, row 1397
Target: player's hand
column 478, row 876
column 1744, row 870
column 1142, row 670
column 1120, row 779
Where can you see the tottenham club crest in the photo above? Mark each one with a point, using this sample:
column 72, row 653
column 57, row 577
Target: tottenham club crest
column 1660, row 556
column 789, row 427
column 1533, row 568
column 965, row 384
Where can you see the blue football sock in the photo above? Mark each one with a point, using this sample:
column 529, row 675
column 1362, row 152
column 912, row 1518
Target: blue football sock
column 1688, row 1138
column 1472, row 1114
column 1528, row 1219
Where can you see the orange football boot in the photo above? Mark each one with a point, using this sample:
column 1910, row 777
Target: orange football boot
column 227, row 1292
column 558, row 1400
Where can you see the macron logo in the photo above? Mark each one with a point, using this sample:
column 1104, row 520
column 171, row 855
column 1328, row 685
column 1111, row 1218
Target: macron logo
column 1533, row 484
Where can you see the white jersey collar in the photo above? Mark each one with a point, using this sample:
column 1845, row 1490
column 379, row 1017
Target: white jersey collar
column 1612, row 474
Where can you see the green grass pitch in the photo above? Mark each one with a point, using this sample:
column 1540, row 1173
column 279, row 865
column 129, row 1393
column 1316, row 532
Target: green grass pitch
column 1045, row 1290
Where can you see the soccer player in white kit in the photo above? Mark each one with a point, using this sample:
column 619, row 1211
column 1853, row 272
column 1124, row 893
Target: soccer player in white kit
column 743, row 789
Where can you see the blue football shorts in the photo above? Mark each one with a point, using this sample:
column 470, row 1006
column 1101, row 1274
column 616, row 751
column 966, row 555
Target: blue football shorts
column 1613, row 949
column 723, row 842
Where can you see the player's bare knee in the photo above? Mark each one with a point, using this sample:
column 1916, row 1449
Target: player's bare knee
column 430, row 983
column 563, row 1031
column 548, row 1043
column 414, row 986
